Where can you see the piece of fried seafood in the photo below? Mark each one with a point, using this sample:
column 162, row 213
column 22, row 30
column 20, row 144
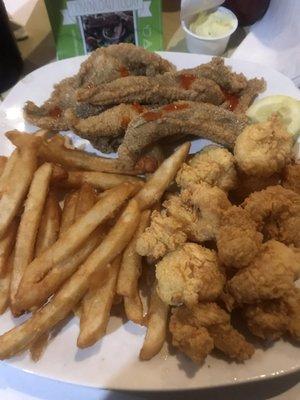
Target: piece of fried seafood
column 270, row 275
column 103, row 65
column 161, row 89
column 110, row 124
column 271, row 319
column 197, row 330
column 264, row 148
column 248, row 94
column 199, row 208
column 180, row 119
column 214, row 165
column 238, row 240
column 247, row 184
column 291, row 177
column 190, row 274
column 276, row 211
column 193, row 215
column 164, row 234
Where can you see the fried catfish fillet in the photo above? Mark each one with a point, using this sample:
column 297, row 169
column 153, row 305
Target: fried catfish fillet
column 103, row 65
column 160, row 89
column 198, row 119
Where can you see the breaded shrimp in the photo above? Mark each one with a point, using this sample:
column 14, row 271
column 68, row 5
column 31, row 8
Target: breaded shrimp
column 291, row 177
column 276, row 210
column 189, row 274
column 213, row 165
column 263, row 148
column 269, row 276
column 163, row 235
column 204, row 321
column 238, row 241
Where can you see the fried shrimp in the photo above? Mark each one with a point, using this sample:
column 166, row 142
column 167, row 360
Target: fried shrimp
column 213, row 165
column 271, row 319
column 263, row 148
column 269, row 276
column 188, row 275
column 163, row 235
column 238, row 241
column 276, row 210
column 197, row 330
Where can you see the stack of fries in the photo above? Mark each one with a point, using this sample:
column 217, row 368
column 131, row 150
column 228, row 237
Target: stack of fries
column 80, row 258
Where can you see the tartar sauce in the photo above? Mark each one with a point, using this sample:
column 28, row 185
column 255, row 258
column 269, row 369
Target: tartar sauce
column 212, row 24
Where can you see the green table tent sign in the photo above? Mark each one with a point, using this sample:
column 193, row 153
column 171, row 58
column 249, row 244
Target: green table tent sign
column 80, row 26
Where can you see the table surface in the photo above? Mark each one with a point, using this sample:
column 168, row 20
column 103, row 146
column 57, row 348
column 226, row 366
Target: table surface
column 39, row 50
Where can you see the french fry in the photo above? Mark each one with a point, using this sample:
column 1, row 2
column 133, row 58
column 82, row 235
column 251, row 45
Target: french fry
column 28, row 228
column 162, row 177
column 17, row 184
column 7, row 170
column 47, row 235
column 99, row 180
column 5, row 284
column 156, row 327
column 21, row 337
column 69, row 210
column 54, row 150
column 86, row 199
column 6, row 244
column 49, row 226
column 3, row 161
column 96, row 306
column 133, row 307
column 22, row 139
column 33, row 288
column 131, row 262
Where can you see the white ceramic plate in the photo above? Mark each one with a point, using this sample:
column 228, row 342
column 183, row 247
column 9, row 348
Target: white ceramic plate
column 113, row 362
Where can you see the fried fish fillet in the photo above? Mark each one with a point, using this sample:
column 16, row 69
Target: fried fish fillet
column 180, row 118
column 103, row 65
column 110, row 124
column 160, row 89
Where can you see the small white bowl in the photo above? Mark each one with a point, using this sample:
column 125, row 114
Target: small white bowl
column 204, row 45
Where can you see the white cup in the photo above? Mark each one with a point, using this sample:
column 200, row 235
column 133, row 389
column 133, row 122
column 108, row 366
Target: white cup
column 205, row 45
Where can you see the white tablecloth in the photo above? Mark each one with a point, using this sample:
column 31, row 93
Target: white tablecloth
column 18, row 385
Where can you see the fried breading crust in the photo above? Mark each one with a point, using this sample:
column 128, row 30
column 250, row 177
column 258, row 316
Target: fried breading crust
column 263, row 148
column 163, row 235
column 269, row 276
column 197, row 119
column 291, row 177
column 189, row 274
column 216, row 322
column 276, row 210
column 213, row 165
column 238, row 241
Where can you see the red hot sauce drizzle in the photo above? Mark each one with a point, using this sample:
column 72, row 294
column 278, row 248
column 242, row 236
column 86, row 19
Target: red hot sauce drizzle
column 154, row 115
column 123, row 71
column 138, row 108
column 186, row 80
column 231, row 99
column 55, row 112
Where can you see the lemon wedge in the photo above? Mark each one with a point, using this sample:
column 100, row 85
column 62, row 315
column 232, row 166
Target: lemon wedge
column 287, row 107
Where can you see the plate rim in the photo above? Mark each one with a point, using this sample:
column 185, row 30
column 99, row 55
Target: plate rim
column 242, row 381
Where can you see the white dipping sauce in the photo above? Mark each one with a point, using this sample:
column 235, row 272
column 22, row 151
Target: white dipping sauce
column 212, row 24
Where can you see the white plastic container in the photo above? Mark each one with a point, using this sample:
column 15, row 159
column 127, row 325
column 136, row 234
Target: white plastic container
column 206, row 45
